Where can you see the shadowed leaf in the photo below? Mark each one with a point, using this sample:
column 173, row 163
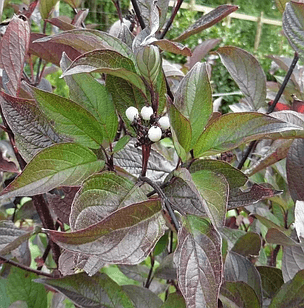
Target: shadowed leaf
column 292, row 261
column 247, row 73
column 175, row 300
column 141, row 224
column 63, row 164
column 167, row 268
column 294, row 168
column 199, row 263
column 70, row 118
column 238, row 294
column 32, row 130
column 248, row 245
column 272, row 280
column 87, row 292
column 14, row 47
column 291, row 293
column 231, row 130
column 208, row 20
column 276, row 236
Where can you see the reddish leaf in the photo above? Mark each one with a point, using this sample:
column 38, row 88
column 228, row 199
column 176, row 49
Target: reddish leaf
column 28, row 13
column 208, row 20
column 248, row 245
column 295, row 167
column 201, row 51
column 62, row 23
column 80, row 17
column 175, row 48
column 199, row 262
column 51, row 51
column 13, row 50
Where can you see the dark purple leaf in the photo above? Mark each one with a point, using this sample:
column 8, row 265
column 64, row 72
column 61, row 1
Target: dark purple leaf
column 295, row 169
column 238, row 294
column 272, row 280
column 176, row 48
column 276, row 236
column 141, row 224
column 51, row 51
column 142, row 297
column 208, row 20
column 247, row 73
column 62, row 22
column 199, row 263
column 248, row 245
column 32, row 130
column 201, row 50
column 293, row 24
column 166, row 269
column 87, row 292
column 239, row 268
column 257, row 192
column 135, row 272
column 291, row 293
column 13, row 50
column 292, row 261
column 61, row 204
column 66, row 263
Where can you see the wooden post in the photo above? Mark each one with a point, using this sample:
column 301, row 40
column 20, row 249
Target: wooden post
column 258, row 32
column 192, row 5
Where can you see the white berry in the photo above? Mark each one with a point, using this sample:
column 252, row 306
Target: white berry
column 154, row 133
column 131, row 113
column 164, row 122
column 146, row 112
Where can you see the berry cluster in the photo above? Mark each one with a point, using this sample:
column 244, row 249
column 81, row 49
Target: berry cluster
column 148, row 127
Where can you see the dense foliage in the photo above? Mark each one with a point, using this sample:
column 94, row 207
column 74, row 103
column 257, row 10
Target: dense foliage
column 134, row 191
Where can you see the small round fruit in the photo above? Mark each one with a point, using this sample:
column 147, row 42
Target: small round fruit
column 146, row 112
column 164, row 122
column 131, row 113
column 154, row 133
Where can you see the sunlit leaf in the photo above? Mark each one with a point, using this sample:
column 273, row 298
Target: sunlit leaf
column 32, row 130
column 272, row 280
column 92, row 95
column 46, row 6
column 20, row 286
column 199, row 263
column 141, row 224
column 281, row 5
column 101, row 195
column 247, row 73
column 293, row 24
column 70, row 119
column 173, row 47
column 73, row 3
column 14, row 46
column 291, row 293
column 294, row 167
column 193, row 100
column 208, row 20
column 231, row 130
column 292, row 261
column 87, row 292
column 63, row 164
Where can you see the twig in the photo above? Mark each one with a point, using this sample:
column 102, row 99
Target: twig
column 138, row 14
column 164, row 198
column 118, row 9
column 271, row 107
column 26, row 268
column 274, row 254
column 170, row 21
column 150, row 278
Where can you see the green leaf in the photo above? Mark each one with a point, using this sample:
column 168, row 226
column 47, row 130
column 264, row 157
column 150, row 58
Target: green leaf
column 120, row 144
column 100, row 195
column 194, row 99
column 293, row 25
column 181, row 131
column 20, row 286
column 45, row 7
column 291, row 293
column 70, row 119
column 281, row 5
column 234, row 176
column 5, row 300
column 238, row 294
column 272, row 280
column 108, row 62
column 231, row 130
column 248, row 245
column 141, row 224
column 199, row 262
column 61, row 164
column 92, row 95
column 84, row 291
column 174, row 300
column 214, row 189
column 32, row 130
column 275, row 236
column 208, row 20
column 247, row 73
